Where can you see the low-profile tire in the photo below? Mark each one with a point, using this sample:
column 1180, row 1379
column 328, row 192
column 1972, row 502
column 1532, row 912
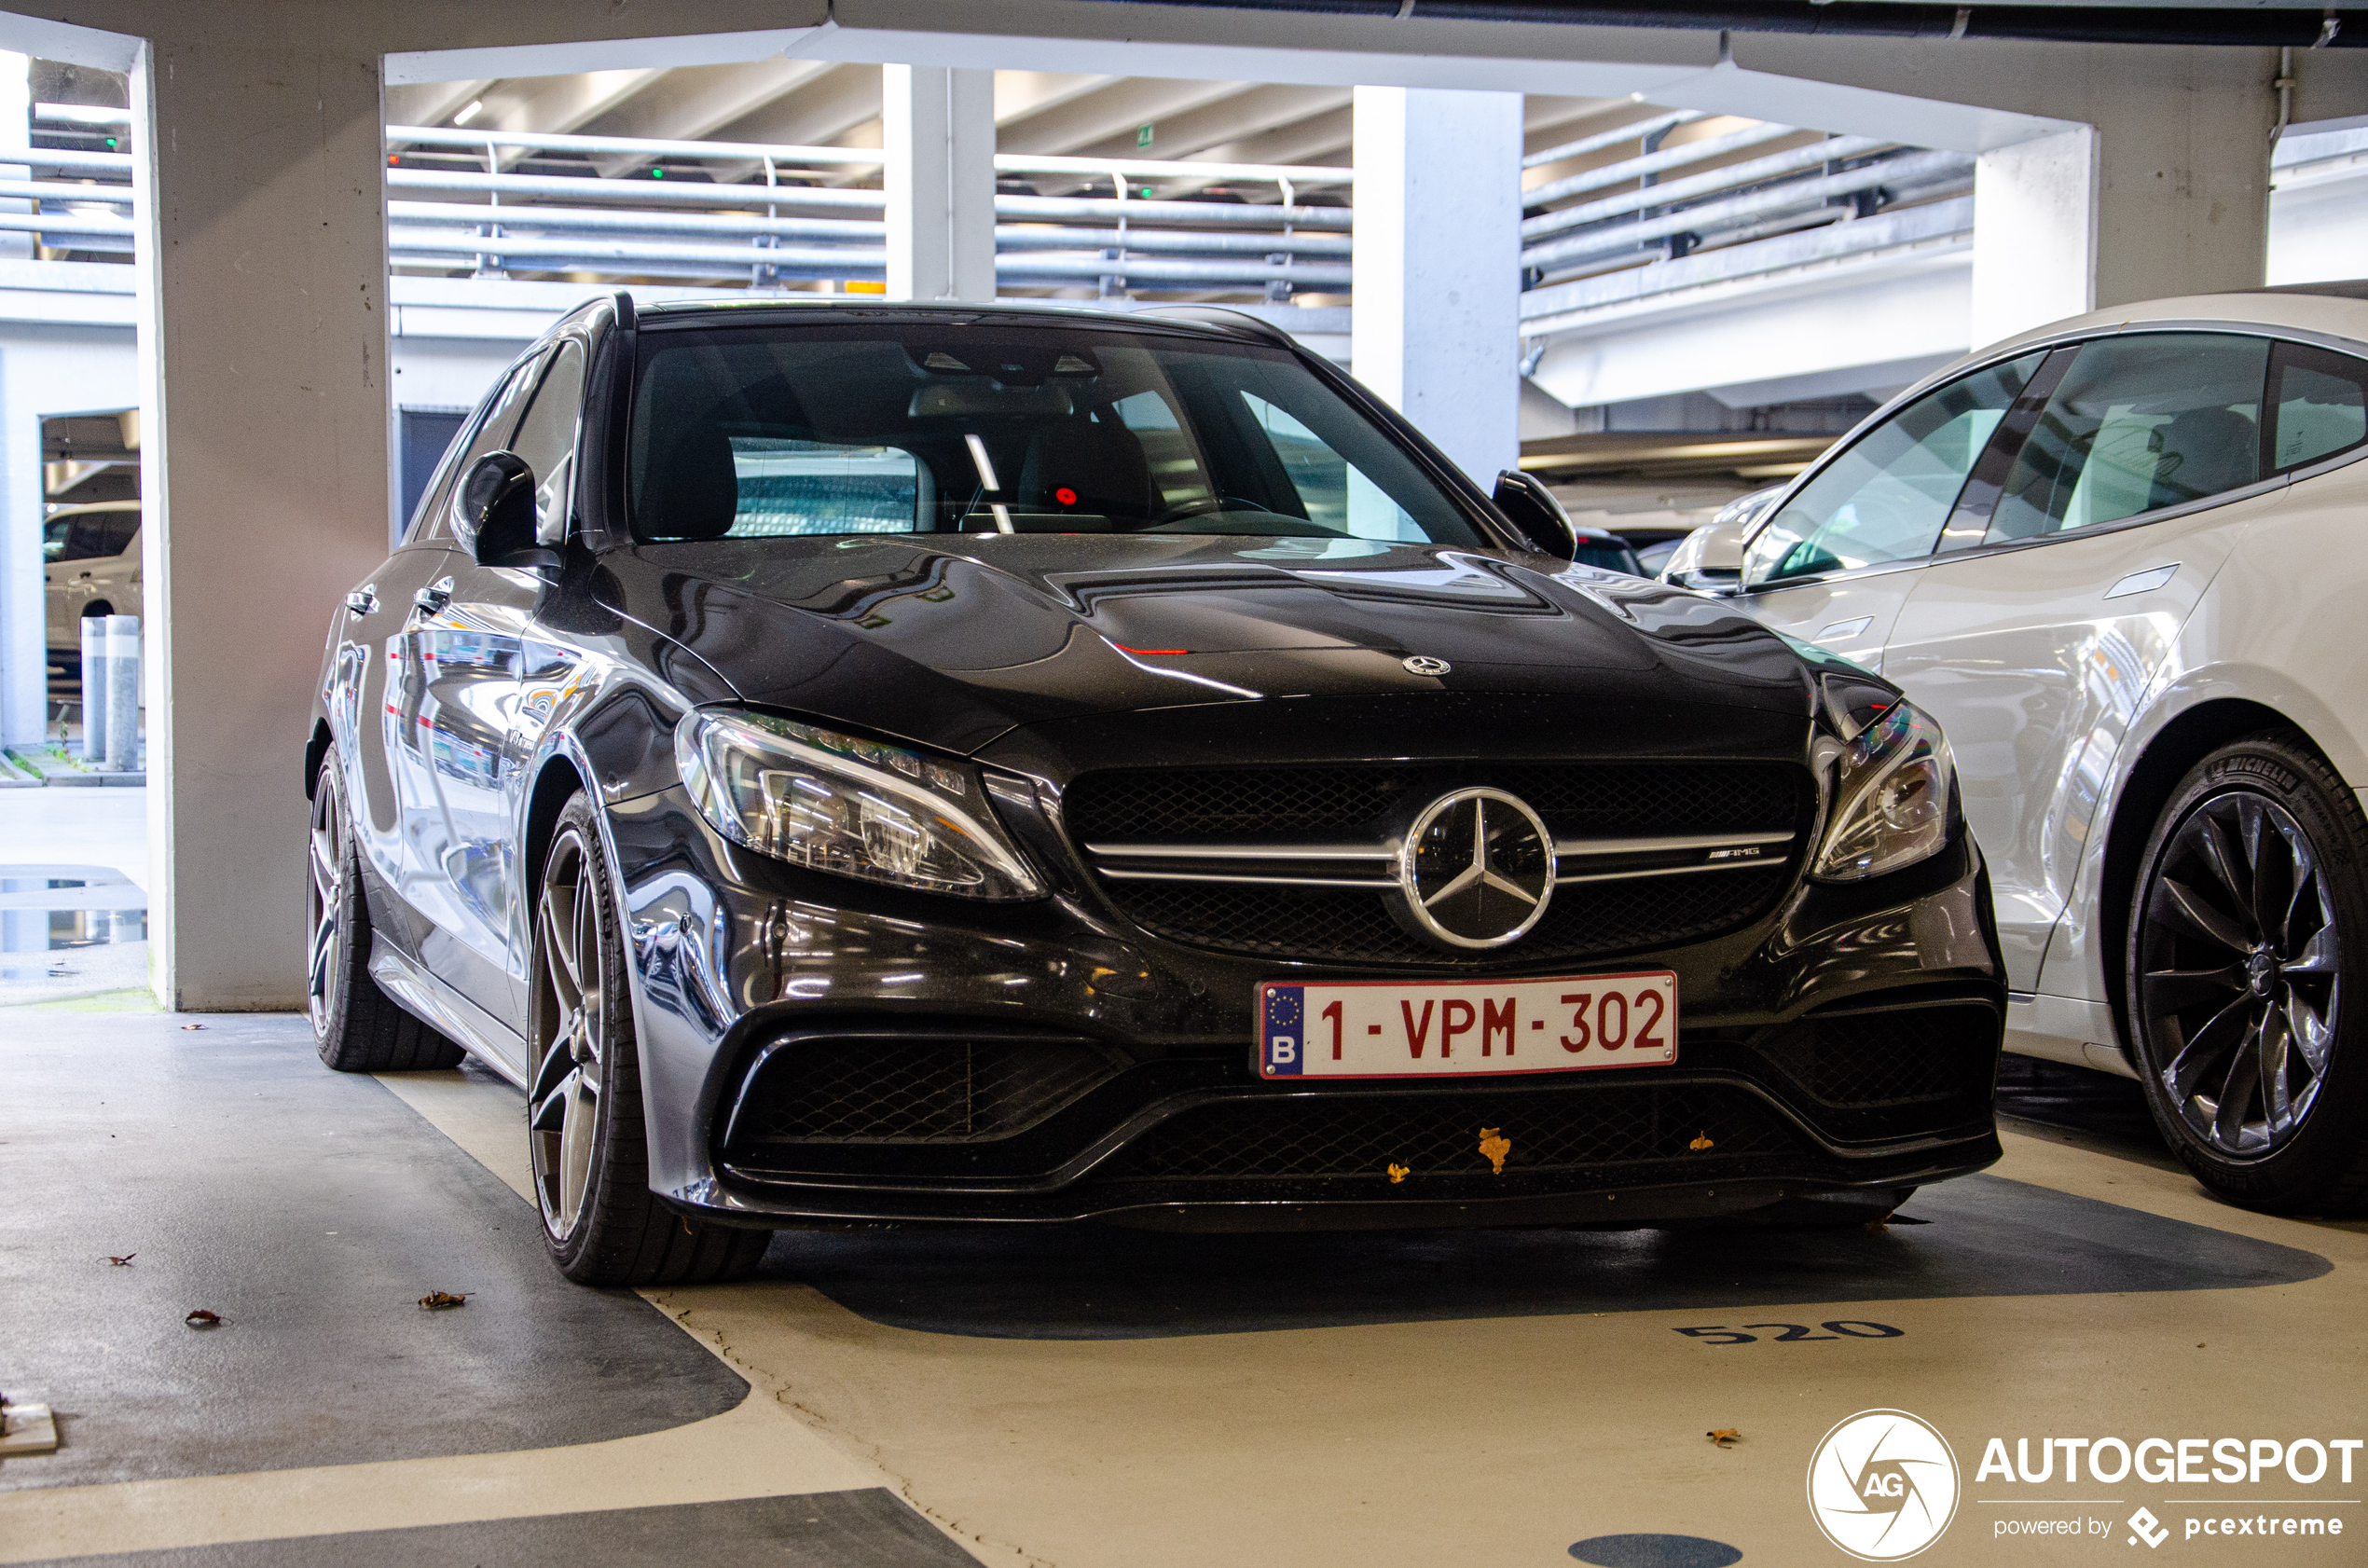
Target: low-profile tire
column 2246, row 961
column 356, row 1026
column 584, row 1132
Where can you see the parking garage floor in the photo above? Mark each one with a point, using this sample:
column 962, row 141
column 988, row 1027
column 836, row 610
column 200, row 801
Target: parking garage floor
column 1080, row 1396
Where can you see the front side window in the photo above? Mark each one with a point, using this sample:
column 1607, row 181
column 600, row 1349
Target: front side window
column 1886, row 497
column 2318, row 402
column 851, row 427
column 546, row 439
column 2138, row 423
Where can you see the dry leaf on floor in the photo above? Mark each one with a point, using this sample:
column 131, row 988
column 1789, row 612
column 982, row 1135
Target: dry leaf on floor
column 1725, row 1436
column 193, row 1026
column 124, row 1262
column 438, row 1300
column 202, row 1319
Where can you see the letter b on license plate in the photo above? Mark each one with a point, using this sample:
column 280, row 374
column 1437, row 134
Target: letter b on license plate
column 1457, row 1029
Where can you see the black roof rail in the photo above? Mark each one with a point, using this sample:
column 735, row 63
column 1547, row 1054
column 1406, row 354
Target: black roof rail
column 1239, row 323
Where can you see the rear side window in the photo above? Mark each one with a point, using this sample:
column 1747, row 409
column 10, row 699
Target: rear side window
column 2138, row 423
column 2318, row 402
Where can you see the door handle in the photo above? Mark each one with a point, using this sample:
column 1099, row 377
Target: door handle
column 361, row 600
column 434, row 598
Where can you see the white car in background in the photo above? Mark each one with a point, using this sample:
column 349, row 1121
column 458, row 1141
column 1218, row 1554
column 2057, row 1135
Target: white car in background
column 2122, row 560
column 90, row 564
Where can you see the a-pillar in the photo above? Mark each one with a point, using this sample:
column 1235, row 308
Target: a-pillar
column 263, row 288
column 2166, row 193
column 1436, row 325
column 938, row 130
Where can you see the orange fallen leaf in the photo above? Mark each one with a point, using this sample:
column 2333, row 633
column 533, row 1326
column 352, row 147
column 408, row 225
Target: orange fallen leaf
column 123, row 1262
column 1495, row 1145
column 202, row 1319
column 1397, row 1175
column 438, row 1300
column 1725, row 1436
column 193, row 1026
column 1701, row 1141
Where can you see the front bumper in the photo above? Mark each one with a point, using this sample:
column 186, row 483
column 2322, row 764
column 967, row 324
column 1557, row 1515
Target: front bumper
column 1846, row 1042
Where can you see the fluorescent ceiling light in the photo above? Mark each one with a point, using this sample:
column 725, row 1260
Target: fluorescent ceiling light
column 469, row 111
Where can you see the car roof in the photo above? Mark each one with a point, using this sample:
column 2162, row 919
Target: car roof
column 2327, row 308
column 1195, row 321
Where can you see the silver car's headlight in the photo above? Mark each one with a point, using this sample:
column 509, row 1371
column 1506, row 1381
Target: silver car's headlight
column 852, row 807
column 1895, row 799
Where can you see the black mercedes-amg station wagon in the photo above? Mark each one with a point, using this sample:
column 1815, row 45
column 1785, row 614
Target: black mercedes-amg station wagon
column 897, row 763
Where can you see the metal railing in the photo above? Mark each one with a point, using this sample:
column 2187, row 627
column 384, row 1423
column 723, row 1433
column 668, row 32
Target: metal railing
column 766, row 214
column 1747, row 202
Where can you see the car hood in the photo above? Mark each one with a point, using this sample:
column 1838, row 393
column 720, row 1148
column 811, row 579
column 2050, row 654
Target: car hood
column 949, row 644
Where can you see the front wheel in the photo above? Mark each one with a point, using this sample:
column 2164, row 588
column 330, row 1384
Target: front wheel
column 584, row 1113
column 2248, row 932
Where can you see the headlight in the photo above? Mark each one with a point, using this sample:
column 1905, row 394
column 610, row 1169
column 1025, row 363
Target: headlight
column 851, row 807
column 1895, row 799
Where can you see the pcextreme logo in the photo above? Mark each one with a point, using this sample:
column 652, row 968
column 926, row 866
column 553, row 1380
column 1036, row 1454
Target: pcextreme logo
column 1882, row 1485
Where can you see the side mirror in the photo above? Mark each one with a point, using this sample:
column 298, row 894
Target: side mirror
column 1710, row 558
column 493, row 516
column 1533, row 510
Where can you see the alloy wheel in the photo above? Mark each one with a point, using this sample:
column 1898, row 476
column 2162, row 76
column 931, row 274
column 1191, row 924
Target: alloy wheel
column 2238, row 985
column 570, row 1052
column 324, row 905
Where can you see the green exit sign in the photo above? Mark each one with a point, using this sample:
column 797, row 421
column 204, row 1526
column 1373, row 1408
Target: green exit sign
column 1142, row 138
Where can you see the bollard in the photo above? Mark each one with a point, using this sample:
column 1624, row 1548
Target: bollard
column 94, row 689
column 123, row 693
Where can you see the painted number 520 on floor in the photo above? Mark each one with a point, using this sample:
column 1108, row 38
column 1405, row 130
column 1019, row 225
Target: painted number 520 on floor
column 1455, row 1029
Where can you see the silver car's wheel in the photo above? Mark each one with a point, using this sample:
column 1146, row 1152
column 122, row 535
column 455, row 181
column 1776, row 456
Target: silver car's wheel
column 2248, row 931
column 571, row 1055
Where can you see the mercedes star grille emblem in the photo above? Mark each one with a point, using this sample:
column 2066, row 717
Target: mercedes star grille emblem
column 1423, row 663
column 1477, row 868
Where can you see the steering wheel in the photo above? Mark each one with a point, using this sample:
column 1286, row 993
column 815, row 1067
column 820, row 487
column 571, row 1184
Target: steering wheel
column 1199, row 505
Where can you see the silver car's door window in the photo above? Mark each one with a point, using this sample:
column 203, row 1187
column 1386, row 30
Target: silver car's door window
column 1885, row 498
column 2138, row 423
column 2318, row 405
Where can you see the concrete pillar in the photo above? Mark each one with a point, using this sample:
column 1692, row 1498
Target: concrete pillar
column 1436, row 330
column 2034, row 233
column 2165, row 192
column 938, row 128
column 262, row 467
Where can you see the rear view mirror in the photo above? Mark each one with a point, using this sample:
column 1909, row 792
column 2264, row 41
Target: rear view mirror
column 1533, row 510
column 493, row 516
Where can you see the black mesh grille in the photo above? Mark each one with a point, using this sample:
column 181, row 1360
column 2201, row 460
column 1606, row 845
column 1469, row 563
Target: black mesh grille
column 1343, row 926
column 1910, row 1056
column 860, row 1090
column 1579, row 798
column 1351, row 1134
column 1278, row 805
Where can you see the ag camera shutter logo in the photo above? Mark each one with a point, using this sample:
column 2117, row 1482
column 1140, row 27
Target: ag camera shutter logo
column 1882, row 1485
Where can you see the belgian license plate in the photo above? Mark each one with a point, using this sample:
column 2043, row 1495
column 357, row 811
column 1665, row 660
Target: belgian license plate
column 1453, row 1028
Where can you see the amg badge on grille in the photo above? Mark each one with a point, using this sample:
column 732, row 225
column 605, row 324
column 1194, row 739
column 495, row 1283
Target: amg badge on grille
column 1476, row 869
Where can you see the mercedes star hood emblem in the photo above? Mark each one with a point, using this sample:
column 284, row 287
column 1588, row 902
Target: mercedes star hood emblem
column 1476, row 869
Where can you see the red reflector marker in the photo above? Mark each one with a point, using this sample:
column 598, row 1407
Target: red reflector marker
column 1065, row 496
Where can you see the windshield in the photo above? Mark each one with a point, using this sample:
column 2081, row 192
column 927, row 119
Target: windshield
column 1039, row 427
